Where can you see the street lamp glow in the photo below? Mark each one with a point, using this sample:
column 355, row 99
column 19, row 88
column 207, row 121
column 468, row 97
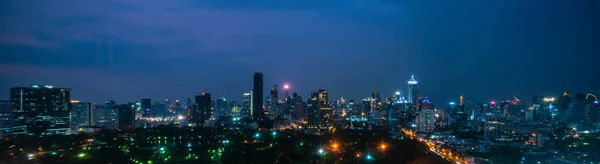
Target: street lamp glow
column 257, row 135
column 321, row 151
column 274, row 133
column 397, row 93
column 369, row 157
column 81, row 155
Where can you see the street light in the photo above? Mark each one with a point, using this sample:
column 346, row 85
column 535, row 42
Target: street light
column 321, row 151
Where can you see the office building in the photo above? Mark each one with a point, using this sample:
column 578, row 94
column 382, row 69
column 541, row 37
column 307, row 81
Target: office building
column 579, row 109
column 274, row 96
column 41, row 110
column 325, row 109
column 257, row 96
column 82, row 114
column 107, row 115
column 591, row 110
column 202, row 110
column 6, row 118
column 312, row 111
column 425, row 122
column 497, row 126
column 413, row 93
column 246, row 104
column 126, row 116
column 146, row 106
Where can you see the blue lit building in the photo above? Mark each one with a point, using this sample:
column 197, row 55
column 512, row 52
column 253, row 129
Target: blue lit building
column 6, row 118
column 41, row 110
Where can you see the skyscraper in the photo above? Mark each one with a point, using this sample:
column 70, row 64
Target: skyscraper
column 41, row 110
column 325, row 110
column 202, row 111
column 257, row 96
column 246, row 101
column 312, row 110
column 426, row 121
column 6, row 118
column 591, row 109
column 126, row 116
column 146, row 105
column 413, row 93
column 274, row 99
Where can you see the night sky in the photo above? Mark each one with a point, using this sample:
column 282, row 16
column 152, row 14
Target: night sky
column 129, row 49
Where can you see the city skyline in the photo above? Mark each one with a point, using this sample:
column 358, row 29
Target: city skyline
column 126, row 50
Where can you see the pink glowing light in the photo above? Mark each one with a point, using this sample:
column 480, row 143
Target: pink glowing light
column 286, row 86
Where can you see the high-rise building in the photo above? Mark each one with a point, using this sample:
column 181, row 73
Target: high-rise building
column 273, row 103
column 146, row 106
column 579, row 109
column 497, row 126
column 6, row 118
column 413, row 93
column 325, row 110
column 202, row 111
column 158, row 110
column 312, row 111
column 257, row 96
column 426, row 121
column 286, row 88
column 107, row 115
column 564, row 105
column 222, row 107
column 246, row 104
column 82, row 114
column 591, row 109
column 41, row 110
column 126, row 116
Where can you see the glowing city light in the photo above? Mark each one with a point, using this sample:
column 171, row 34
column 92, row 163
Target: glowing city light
column 452, row 103
column 286, row 86
column 180, row 117
column 550, row 99
column 397, row 93
column 274, row 133
column 369, row 157
column 321, row 151
column 257, row 135
column 81, row 155
column 412, row 80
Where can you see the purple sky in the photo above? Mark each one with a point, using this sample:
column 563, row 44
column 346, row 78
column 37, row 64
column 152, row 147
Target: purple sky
column 129, row 49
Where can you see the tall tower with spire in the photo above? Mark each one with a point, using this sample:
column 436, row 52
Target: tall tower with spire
column 413, row 92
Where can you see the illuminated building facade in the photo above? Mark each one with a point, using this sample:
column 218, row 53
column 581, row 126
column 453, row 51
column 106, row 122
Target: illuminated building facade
column 82, row 114
column 497, row 127
column 257, row 96
column 41, row 110
column 107, row 115
column 246, row 101
column 425, row 123
column 312, row 110
column 413, row 93
column 6, row 118
column 325, row 110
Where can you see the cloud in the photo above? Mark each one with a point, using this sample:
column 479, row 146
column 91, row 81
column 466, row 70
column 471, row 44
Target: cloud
column 24, row 40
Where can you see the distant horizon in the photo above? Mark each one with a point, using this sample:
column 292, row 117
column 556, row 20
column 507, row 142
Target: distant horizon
column 281, row 91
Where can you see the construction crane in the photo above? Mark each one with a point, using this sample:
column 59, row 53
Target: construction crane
column 590, row 94
column 517, row 99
